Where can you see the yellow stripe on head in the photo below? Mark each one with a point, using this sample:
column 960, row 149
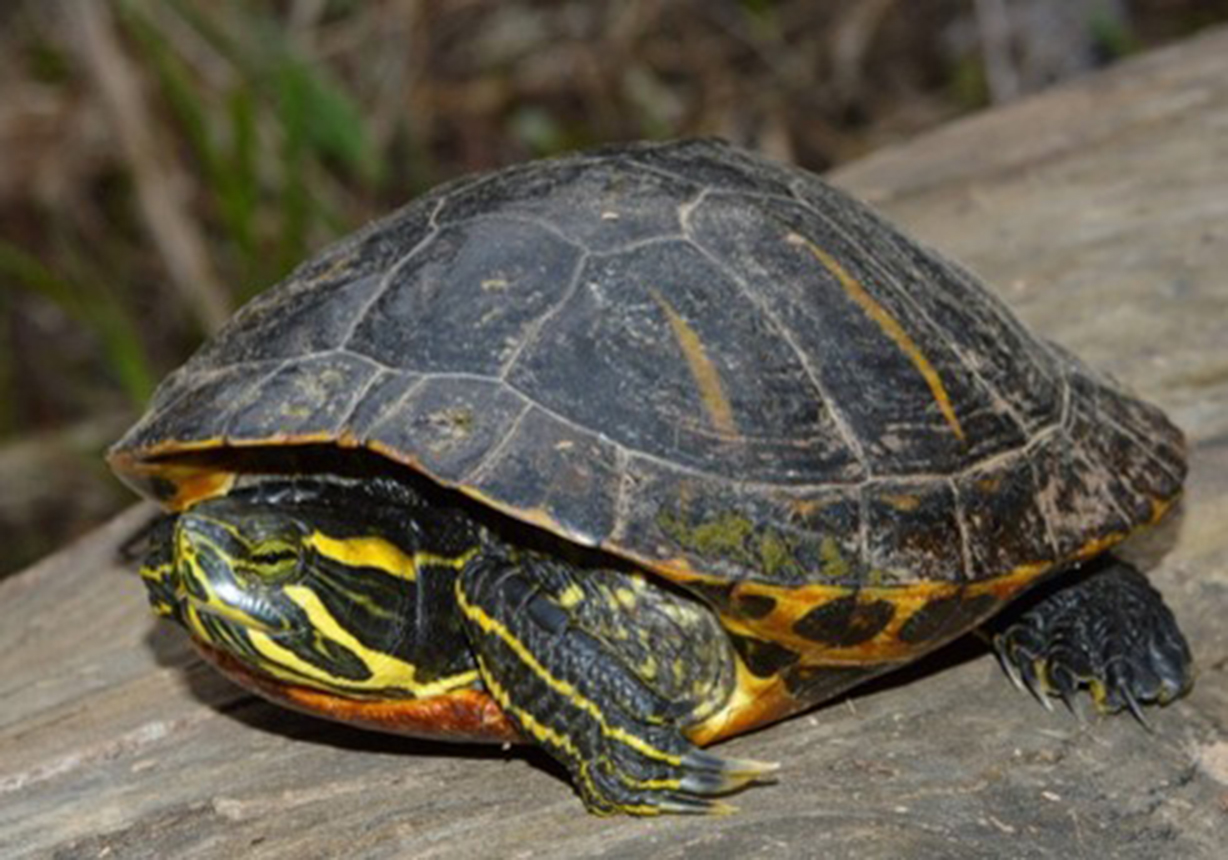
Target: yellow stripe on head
column 381, row 554
column 386, row 672
column 373, row 552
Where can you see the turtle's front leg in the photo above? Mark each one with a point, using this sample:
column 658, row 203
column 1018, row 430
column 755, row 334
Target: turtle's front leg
column 605, row 670
column 1110, row 632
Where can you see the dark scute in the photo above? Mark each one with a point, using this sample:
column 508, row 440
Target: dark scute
column 1075, row 487
column 467, row 299
column 978, row 326
column 308, row 397
column 725, row 529
column 194, row 407
column 716, row 595
column 550, row 467
column 761, row 657
column 812, row 684
column 718, row 166
column 754, row 606
column 316, row 306
column 874, row 383
column 383, row 396
column 317, row 318
column 601, row 204
column 845, row 621
column 945, row 617
column 615, row 336
column 828, row 528
column 1002, row 517
column 448, row 425
column 373, row 250
column 1156, row 461
column 1136, row 445
column 913, row 531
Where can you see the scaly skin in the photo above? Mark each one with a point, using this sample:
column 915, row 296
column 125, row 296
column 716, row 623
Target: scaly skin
column 1108, row 632
column 408, row 615
column 410, row 612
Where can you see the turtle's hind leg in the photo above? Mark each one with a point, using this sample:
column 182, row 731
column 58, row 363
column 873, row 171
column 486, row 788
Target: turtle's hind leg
column 1109, row 632
column 605, row 670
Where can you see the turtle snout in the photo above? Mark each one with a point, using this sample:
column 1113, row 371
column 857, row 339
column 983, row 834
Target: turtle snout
column 214, row 581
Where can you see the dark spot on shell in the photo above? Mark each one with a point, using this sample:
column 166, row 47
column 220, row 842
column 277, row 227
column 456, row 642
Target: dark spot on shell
column 754, row 606
column 717, row 595
column 945, row 616
column 763, row 658
column 845, row 621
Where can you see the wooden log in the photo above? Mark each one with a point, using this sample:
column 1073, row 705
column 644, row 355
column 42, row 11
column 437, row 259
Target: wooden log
column 1101, row 212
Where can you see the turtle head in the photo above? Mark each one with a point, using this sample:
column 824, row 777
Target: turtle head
column 237, row 566
column 305, row 590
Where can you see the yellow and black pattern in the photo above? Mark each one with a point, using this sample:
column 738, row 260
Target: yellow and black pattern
column 606, row 671
column 369, row 592
column 716, row 367
column 381, row 596
column 296, row 592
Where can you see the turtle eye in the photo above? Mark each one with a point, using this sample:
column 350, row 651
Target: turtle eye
column 273, row 559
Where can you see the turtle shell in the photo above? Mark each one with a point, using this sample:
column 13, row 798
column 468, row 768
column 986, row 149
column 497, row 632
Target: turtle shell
column 717, row 366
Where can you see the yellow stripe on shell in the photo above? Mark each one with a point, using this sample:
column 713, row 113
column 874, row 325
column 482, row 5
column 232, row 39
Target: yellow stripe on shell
column 703, row 371
column 890, row 326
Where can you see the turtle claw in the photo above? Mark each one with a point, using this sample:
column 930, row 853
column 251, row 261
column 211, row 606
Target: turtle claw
column 1068, row 700
column 999, row 649
column 641, row 780
column 1037, row 684
column 1065, row 685
column 708, row 774
column 1109, row 633
column 1029, row 675
column 1135, row 709
column 685, row 804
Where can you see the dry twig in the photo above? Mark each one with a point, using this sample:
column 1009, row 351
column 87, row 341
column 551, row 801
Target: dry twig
column 159, row 182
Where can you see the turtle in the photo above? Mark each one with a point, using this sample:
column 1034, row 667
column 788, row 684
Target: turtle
column 627, row 451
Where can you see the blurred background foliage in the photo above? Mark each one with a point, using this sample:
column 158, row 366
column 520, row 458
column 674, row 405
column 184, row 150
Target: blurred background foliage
column 163, row 160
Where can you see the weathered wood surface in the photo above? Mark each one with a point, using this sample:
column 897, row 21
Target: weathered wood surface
column 1101, row 211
